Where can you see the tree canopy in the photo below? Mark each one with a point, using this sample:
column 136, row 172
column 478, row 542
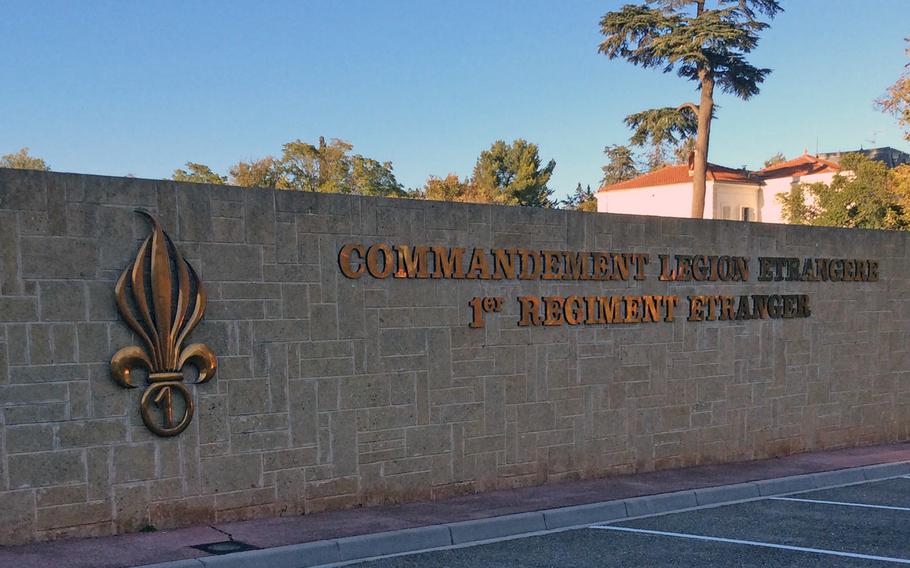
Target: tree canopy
column 513, row 174
column 775, row 159
column 582, row 199
column 505, row 174
column 702, row 41
column 198, row 173
column 325, row 167
column 866, row 195
column 897, row 99
column 21, row 160
column 620, row 165
column 662, row 131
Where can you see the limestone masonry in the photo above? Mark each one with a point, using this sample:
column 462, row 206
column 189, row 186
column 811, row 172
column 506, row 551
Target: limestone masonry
column 341, row 383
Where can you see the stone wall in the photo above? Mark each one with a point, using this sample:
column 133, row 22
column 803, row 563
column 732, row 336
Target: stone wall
column 334, row 392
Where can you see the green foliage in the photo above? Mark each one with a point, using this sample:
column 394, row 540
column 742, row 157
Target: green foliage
column 198, row 173
column 449, row 188
column 897, row 100
column 775, row 159
column 21, row 160
column 667, row 35
column 506, row 174
column 620, row 165
column 264, row 172
column 582, row 200
column 700, row 43
column 663, row 130
column 865, row 195
column 331, row 168
column 327, row 168
column 794, row 208
column 683, row 151
column 512, row 174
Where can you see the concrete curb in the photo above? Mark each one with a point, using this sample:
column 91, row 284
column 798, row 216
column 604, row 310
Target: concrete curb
column 363, row 547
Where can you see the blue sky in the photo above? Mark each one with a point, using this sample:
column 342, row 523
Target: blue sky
column 142, row 87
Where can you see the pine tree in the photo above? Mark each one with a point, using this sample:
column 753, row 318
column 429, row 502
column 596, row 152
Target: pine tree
column 582, row 200
column 702, row 44
column 513, row 174
column 620, row 165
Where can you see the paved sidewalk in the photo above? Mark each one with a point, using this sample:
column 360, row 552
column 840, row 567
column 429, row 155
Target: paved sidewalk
column 148, row 548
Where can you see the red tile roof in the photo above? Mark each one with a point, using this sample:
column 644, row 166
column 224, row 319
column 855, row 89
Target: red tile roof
column 681, row 174
column 804, row 165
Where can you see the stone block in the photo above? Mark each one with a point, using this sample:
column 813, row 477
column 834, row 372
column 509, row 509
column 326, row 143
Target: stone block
column 17, row 515
column 402, row 342
column 13, row 308
column 231, row 262
column 46, row 468
column 259, row 217
column 93, row 343
column 36, row 413
column 102, row 305
column 23, row 190
column 66, row 516
column 427, row 440
column 536, row 416
column 231, row 473
column 60, row 495
column 59, row 258
column 248, row 397
column 39, row 392
column 76, row 434
column 131, row 508
column 134, row 462
column 29, row 438
column 364, row 391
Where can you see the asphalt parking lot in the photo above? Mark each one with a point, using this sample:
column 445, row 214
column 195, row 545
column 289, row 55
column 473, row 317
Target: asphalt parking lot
column 866, row 524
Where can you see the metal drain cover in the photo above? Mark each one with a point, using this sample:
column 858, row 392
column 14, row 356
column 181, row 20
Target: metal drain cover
column 225, row 547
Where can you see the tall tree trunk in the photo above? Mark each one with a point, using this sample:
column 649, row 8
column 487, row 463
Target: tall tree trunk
column 702, row 138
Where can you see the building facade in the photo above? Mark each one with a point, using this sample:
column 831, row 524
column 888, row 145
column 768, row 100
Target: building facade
column 731, row 194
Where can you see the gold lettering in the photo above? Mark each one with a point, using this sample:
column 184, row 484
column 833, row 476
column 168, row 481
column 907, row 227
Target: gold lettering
column 611, row 309
column 696, row 307
column 479, row 267
column 526, row 272
column 574, row 310
column 504, row 264
column 529, row 310
column 348, row 268
column 553, row 307
column 633, row 309
column 448, row 262
column 412, row 262
column 373, row 255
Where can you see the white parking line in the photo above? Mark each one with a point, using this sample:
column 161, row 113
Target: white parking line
column 842, row 503
column 755, row 543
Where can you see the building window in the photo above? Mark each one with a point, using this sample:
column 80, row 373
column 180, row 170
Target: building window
column 748, row 215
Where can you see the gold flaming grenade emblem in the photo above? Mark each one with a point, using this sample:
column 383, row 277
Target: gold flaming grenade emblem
column 165, row 302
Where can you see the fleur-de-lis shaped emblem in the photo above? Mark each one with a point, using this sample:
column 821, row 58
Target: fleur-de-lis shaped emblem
column 166, row 301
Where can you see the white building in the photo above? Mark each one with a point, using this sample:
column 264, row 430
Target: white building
column 730, row 193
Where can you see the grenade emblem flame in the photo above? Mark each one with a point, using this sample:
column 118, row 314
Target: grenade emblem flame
column 162, row 299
